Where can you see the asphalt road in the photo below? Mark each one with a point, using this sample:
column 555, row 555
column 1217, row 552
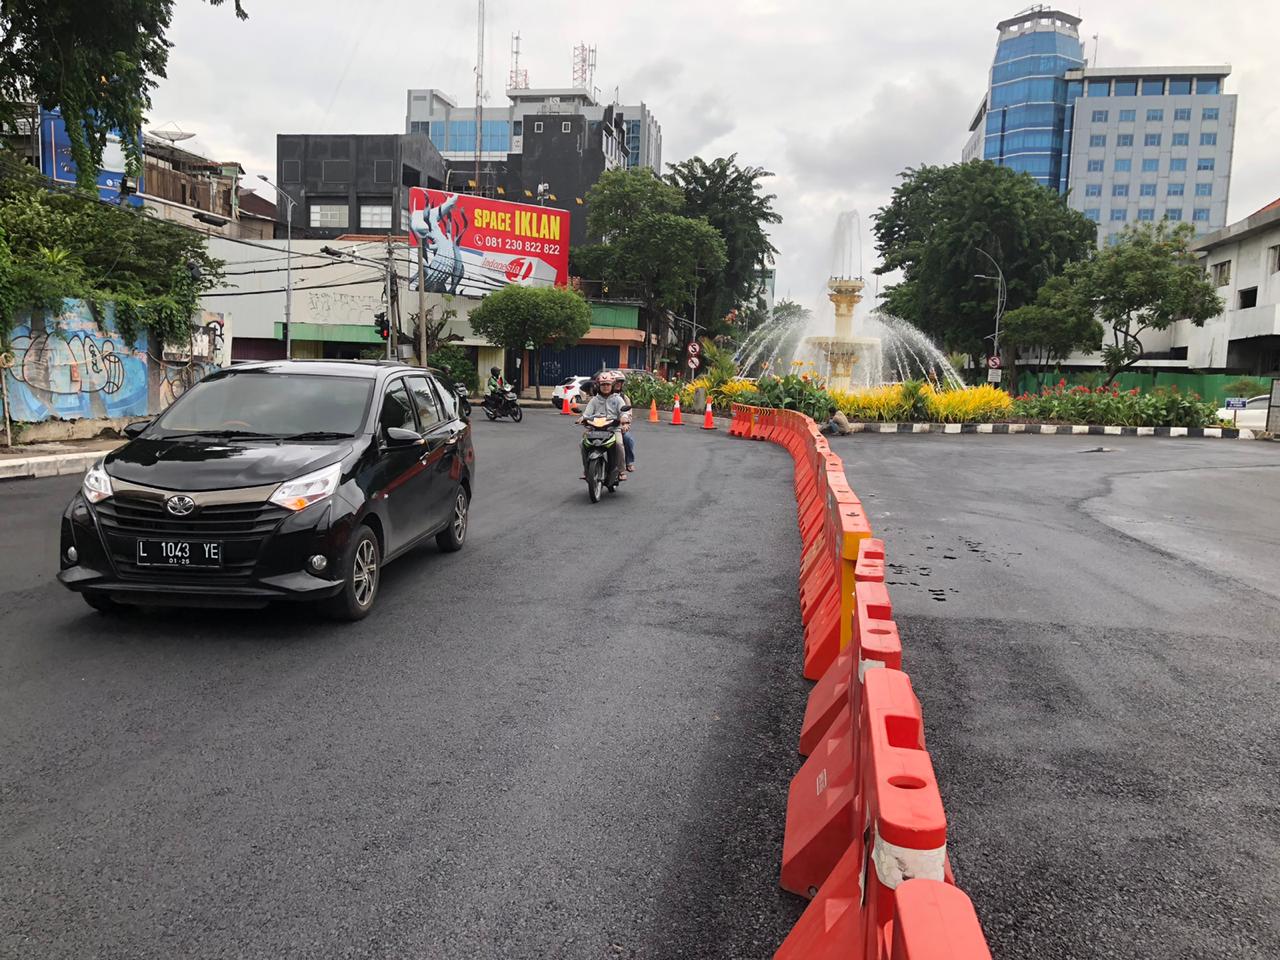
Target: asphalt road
column 1093, row 636
column 531, row 752
column 572, row 739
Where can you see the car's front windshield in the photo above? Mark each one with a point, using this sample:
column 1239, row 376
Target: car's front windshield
column 269, row 404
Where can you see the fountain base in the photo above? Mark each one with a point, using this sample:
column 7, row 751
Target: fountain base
column 849, row 363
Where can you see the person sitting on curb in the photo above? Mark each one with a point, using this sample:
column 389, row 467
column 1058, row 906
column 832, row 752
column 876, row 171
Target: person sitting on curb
column 837, row 423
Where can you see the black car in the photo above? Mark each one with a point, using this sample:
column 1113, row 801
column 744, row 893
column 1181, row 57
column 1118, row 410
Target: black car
column 290, row 480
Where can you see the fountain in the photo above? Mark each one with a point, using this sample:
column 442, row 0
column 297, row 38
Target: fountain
column 844, row 351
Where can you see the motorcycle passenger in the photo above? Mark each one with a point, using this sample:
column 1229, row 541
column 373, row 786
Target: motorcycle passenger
column 628, row 438
column 606, row 404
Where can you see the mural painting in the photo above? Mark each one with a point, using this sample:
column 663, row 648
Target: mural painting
column 68, row 367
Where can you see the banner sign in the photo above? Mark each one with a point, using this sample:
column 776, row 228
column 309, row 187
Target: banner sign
column 57, row 164
column 475, row 245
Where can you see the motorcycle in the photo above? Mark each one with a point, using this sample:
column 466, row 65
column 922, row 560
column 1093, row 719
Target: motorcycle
column 602, row 456
column 505, row 403
column 464, row 405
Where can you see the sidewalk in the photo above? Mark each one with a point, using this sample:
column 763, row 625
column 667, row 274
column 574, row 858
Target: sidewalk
column 52, row 459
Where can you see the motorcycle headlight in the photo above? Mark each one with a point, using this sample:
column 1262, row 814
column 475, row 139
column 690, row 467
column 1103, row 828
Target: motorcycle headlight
column 310, row 488
column 96, row 485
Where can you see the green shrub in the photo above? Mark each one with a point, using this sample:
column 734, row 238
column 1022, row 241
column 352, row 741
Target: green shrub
column 1108, row 406
column 456, row 366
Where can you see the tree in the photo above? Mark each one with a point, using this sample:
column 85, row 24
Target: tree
column 938, row 225
column 644, row 248
column 1147, row 280
column 56, row 244
column 95, row 60
column 1059, row 322
column 732, row 200
column 517, row 318
column 436, row 324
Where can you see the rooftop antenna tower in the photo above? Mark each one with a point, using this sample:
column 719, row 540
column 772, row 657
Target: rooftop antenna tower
column 584, row 67
column 519, row 79
column 479, row 85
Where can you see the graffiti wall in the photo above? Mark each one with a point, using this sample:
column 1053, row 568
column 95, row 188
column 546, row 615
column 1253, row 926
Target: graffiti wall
column 69, row 366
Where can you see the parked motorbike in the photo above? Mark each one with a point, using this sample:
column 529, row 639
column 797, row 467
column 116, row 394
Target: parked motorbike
column 602, row 456
column 464, row 405
column 504, row 403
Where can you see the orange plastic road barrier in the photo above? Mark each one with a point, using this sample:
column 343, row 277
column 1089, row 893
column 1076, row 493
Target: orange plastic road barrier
column 653, row 411
column 935, row 921
column 831, row 926
column 708, row 419
column 870, row 564
column 821, row 803
column 676, row 419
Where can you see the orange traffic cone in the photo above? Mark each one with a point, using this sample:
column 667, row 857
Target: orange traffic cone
column 676, row 419
column 653, row 411
column 566, row 405
column 708, row 421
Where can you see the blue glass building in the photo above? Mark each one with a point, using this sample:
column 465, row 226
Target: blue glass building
column 1024, row 121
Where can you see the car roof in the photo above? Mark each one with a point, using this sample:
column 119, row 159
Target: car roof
column 369, row 369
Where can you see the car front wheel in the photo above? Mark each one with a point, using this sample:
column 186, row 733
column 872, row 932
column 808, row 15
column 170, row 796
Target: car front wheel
column 362, row 573
column 451, row 538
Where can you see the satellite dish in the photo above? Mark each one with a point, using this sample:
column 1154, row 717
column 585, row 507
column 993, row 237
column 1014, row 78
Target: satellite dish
column 173, row 135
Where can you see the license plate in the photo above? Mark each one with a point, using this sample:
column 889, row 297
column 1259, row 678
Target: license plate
column 200, row 554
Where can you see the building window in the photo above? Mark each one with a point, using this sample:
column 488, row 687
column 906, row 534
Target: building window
column 1204, row 189
column 336, row 171
column 1099, row 88
column 1119, row 215
column 1273, row 258
column 1093, row 213
column 1151, row 165
column 1126, row 88
column 1098, row 140
column 1221, row 273
column 1093, row 190
column 375, row 216
column 291, row 171
column 566, row 127
column 1128, row 116
column 1146, row 214
column 382, row 171
column 1180, row 87
column 1177, row 164
column 537, row 126
column 1152, row 88
column 1181, row 139
column 1248, row 298
column 1182, row 113
column 1205, row 163
column 1100, row 116
column 1124, row 139
column 1151, row 140
column 1177, row 189
column 1208, row 85
column 1200, row 215
column 1155, row 116
column 1147, row 190
column 517, row 128
column 330, row 216
column 1123, row 165
column 1095, row 166
column 1119, row 189
column 1209, row 113
column 1208, row 139
column 1173, row 213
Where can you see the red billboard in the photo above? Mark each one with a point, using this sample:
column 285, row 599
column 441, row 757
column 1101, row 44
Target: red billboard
column 474, row 245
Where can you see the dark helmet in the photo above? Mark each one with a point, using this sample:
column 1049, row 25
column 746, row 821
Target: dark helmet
column 495, row 371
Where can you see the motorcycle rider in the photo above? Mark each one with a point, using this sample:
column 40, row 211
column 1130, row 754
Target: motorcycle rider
column 608, row 404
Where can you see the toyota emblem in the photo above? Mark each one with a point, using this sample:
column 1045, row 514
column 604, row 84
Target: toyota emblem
column 180, row 505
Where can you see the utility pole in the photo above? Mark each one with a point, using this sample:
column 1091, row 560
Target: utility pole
column 395, row 327
column 422, row 309
column 479, row 87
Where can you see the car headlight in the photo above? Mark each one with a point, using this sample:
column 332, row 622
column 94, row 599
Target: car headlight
column 96, row 485
column 310, row 488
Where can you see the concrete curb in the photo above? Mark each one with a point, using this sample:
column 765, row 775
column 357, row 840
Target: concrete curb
column 53, row 465
column 1052, row 429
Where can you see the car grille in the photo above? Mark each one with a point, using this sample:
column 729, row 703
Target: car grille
column 240, row 527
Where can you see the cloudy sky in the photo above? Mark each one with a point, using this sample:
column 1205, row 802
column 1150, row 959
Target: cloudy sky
column 835, row 97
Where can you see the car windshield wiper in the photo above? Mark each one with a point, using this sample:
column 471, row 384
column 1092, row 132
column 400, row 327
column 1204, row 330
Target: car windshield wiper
column 320, row 435
column 226, row 434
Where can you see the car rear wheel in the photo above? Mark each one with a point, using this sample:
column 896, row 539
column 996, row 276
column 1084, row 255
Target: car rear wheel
column 451, row 538
column 362, row 573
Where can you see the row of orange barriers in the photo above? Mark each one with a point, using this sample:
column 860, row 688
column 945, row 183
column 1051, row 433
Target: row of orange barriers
column 866, row 835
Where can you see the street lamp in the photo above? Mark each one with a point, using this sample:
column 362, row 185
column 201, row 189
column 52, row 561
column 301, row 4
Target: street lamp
column 288, row 266
column 1002, row 297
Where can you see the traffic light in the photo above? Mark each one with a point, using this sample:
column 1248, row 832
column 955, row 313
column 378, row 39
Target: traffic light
column 384, row 329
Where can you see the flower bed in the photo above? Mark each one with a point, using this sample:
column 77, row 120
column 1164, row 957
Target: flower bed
column 1109, row 406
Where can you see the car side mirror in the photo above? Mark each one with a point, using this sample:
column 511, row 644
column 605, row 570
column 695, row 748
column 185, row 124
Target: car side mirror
column 402, row 437
column 134, row 430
